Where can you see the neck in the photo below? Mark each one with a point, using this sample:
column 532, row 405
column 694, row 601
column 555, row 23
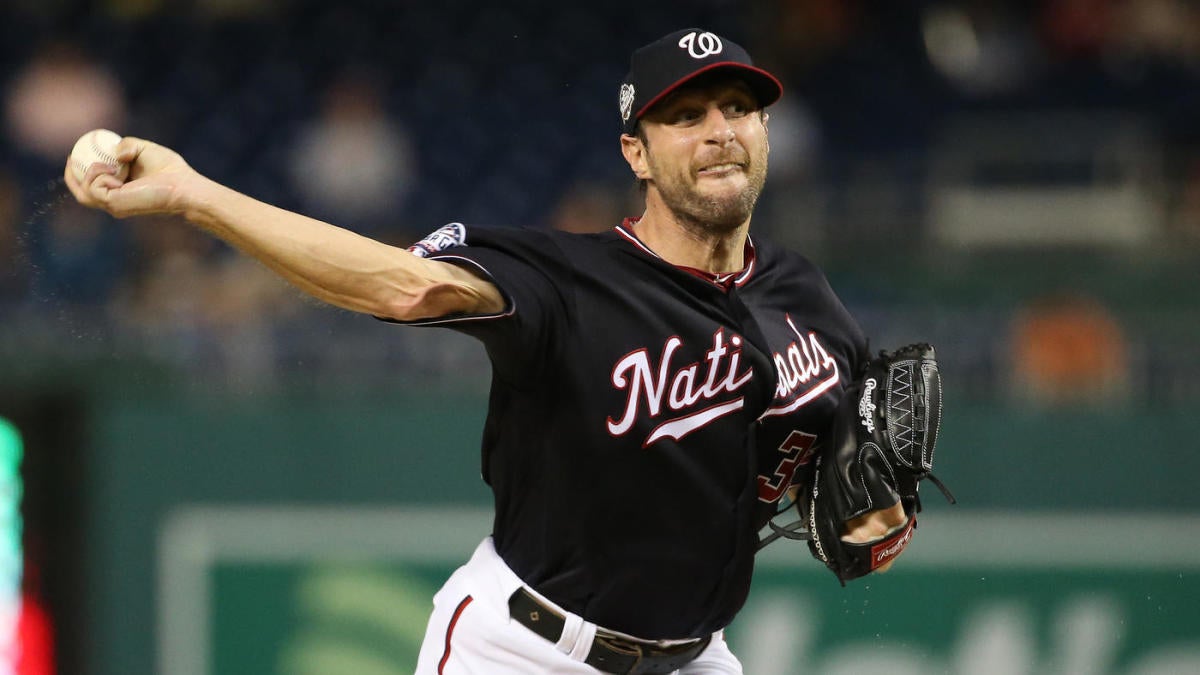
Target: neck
column 685, row 242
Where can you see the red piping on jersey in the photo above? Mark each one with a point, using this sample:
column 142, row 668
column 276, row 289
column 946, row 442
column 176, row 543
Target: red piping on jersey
column 450, row 631
column 726, row 280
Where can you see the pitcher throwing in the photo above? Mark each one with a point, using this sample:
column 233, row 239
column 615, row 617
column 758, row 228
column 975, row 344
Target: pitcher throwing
column 658, row 390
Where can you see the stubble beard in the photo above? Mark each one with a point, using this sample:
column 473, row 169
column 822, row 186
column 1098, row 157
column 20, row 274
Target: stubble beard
column 709, row 214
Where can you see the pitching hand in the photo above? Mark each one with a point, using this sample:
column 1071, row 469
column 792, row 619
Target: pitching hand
column 157, row 182
column 873, row 525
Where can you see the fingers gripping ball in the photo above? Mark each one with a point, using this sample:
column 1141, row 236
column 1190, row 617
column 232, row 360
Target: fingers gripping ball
column 98, row 145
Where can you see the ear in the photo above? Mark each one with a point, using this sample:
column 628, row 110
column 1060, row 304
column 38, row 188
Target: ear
column 766, row 117
column 635, row 154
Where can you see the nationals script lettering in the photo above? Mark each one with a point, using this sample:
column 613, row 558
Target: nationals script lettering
column 654, row 388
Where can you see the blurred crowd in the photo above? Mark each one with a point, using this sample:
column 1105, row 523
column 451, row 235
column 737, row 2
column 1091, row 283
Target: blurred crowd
column 392, row 118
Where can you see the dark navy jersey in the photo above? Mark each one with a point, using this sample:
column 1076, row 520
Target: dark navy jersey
column 645, row 420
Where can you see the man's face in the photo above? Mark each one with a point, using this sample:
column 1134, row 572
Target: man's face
column 706, row 152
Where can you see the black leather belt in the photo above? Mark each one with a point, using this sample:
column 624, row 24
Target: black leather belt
column 609, row 653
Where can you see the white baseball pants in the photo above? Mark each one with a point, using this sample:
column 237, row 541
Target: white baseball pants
column 470, row 632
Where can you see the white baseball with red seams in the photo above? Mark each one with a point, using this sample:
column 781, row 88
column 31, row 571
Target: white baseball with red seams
column 97, row 145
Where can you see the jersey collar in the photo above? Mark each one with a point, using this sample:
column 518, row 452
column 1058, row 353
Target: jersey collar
column 726, row 280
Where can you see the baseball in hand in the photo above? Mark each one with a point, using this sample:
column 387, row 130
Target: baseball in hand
column 98, row 145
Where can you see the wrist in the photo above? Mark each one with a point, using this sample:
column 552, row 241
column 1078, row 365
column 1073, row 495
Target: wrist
column 195, row 197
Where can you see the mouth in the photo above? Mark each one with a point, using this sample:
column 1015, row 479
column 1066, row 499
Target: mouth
column 722, row 169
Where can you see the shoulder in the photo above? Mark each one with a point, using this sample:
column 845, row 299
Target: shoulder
column 452, row 236
column 777, row 266
column 790, row 280
column 490, row 248
column 458, row 238
column 532, row 267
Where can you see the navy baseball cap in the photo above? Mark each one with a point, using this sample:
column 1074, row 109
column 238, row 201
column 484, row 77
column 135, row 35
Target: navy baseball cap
column 664, row 65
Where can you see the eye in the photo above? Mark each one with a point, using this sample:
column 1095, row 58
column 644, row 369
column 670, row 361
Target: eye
column 736, row 109
column 686, row 115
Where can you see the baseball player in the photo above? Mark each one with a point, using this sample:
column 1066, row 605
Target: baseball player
column 657, row 389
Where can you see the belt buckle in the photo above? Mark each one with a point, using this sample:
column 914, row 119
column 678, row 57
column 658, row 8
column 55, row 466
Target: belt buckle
column 637, row 662
column 646, row 658
column 672, row 655
column 619, row 645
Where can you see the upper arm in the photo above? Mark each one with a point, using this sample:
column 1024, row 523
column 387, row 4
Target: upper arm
column 443, row 289
column 507, row 287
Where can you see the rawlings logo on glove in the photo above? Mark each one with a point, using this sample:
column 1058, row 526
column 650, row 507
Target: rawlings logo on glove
column 866, row 406
column 884, row 433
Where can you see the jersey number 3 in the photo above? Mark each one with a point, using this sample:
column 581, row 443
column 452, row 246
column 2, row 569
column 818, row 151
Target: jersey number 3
column 797, row 450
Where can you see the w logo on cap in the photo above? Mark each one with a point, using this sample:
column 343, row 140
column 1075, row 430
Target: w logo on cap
column 661, row 67
column 700, row 45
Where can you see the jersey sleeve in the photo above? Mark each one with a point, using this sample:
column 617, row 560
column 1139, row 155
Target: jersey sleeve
column 529, row 269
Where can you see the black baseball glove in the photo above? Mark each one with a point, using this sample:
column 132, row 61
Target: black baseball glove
column 881, row 448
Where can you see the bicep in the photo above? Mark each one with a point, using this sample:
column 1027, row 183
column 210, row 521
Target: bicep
column 444, row 289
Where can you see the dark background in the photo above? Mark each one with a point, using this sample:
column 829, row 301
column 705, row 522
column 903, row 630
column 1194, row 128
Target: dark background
column 1017, row 182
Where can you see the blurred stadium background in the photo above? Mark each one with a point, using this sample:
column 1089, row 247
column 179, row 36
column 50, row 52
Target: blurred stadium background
column 219, row 476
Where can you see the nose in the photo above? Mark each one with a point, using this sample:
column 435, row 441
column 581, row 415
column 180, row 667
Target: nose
column 720, row 131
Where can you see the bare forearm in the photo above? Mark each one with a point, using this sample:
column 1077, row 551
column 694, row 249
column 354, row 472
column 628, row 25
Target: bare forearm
column 328, row 262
